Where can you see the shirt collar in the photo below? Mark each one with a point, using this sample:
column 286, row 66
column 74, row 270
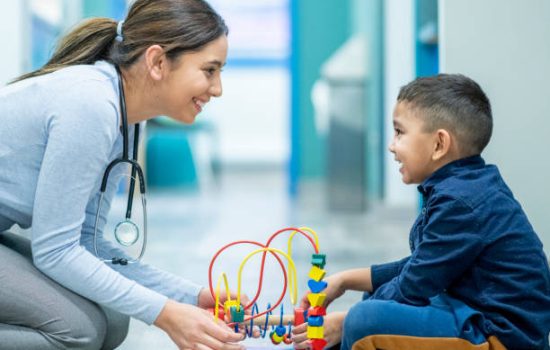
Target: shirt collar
column 449, row 169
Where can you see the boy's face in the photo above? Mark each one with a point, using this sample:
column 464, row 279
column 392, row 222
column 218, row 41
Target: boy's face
column 411, row 145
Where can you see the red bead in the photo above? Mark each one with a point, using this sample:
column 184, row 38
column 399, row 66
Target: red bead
column 317, row 311
column 299, row 316
column 317, row 344
column 221, row 314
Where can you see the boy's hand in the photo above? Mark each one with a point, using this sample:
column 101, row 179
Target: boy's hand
column 333, row 323
column 333, row 291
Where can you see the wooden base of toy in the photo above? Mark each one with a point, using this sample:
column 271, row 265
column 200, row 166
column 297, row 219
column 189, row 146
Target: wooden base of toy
column 273, row 320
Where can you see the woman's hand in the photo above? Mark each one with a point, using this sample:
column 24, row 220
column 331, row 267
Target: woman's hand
column 193, row 328
column 332, row 329
column 206, row 301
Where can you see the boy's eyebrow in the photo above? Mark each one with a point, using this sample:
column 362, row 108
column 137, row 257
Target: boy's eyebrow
column 396, row 123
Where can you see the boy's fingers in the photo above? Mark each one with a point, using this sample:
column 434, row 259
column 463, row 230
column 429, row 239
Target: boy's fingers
column 301, row 345
column 299, row 329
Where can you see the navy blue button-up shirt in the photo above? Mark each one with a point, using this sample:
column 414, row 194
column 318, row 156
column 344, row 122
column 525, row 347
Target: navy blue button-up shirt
column 473, row 241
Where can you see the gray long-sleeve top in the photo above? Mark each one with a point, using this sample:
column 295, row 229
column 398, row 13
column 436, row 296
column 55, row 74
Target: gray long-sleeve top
column 58, row 132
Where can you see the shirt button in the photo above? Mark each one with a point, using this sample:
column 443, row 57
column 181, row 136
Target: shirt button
column 423, row 211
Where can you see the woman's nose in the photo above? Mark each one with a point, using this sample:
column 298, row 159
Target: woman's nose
column 216, row 88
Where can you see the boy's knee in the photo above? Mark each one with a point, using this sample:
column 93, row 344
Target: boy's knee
column 361, row 320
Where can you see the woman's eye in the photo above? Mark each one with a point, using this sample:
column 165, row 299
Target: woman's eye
column 210, row 71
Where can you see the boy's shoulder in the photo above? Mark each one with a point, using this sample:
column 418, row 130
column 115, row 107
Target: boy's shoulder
column 474, row 183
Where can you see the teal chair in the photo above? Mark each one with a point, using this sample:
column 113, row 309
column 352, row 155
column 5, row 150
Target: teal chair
column 169, row 159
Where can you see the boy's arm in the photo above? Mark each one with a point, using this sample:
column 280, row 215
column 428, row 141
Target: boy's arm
column 449, row 245
column 355, row 279
column 383, row 273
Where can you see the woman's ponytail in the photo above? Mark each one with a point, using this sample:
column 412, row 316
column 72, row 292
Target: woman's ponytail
column 89, row 42
column 178, row 26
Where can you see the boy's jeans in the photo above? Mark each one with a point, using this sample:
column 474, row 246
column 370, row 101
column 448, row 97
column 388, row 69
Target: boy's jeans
column 444, row 324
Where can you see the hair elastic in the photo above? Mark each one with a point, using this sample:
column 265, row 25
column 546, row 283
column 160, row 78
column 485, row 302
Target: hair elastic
column 119, row 36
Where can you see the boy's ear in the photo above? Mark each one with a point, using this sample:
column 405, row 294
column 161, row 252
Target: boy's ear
column 442, row 144
column 155, row 60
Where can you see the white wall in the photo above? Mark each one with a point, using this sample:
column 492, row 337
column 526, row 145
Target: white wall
column 398, row 71
column 505, row 46
column 13, row 39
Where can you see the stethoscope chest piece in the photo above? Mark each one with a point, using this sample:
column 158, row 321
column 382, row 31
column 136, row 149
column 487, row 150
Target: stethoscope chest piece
column 126, row 233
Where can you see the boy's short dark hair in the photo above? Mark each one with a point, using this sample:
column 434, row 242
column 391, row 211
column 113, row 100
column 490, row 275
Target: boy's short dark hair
column 453, row 102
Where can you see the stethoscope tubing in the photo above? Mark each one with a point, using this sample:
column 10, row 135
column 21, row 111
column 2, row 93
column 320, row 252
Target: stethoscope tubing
column 135, row 170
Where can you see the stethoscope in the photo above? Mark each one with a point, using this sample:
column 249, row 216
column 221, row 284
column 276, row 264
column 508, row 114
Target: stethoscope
column 126, row 232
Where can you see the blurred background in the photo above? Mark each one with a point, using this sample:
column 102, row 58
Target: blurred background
column 300, row 135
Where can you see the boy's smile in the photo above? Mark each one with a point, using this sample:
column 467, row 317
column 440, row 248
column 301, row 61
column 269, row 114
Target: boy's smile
column 412, row 146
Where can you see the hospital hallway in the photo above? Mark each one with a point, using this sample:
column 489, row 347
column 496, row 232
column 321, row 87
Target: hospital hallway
column 187, row 229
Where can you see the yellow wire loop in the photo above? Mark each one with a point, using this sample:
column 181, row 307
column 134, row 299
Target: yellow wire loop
column 306, row 229
column 292, row 275
column 227, row 291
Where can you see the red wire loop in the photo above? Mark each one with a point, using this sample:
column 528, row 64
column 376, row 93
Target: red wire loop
column 262, row 266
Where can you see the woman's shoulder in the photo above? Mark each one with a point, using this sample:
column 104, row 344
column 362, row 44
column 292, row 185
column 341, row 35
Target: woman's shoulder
column 82, row 98
column 97, row 81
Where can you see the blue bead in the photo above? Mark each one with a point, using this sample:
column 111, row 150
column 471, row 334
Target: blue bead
column 316, row 286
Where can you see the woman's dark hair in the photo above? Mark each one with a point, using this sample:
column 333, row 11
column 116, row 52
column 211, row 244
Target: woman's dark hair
column 178, row 26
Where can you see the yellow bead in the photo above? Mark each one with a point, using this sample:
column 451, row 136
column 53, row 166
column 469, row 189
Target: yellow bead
column 316, row 273
column 316, row 299
column 315, row 332
column 277, row 339
column 228, row 304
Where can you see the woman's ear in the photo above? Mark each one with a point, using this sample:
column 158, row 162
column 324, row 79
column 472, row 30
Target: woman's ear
column 442, row 144
column 155, row 60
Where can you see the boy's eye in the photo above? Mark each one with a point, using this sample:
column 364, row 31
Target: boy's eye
column 398, row 131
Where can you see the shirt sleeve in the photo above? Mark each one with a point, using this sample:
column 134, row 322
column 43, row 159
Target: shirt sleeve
column 449, row 244
column 383, row 273
column 81, row 131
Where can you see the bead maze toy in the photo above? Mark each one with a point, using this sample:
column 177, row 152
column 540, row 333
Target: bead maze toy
column 234, row 311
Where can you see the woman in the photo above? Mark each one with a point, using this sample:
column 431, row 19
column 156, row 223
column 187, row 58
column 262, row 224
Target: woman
column 62, row 125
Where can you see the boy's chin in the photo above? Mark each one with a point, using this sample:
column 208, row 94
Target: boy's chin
column 408, row 181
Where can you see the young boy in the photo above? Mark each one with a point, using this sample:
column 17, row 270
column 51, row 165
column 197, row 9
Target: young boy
column 477, row 276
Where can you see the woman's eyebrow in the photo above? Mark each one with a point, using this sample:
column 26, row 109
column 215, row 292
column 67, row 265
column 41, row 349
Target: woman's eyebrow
column 216, row 63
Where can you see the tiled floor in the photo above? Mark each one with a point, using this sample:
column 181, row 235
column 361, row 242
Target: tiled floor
column 187, row 229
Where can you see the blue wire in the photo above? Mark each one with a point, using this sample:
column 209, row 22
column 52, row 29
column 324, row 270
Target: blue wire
column 257, row 310
column 266, row 319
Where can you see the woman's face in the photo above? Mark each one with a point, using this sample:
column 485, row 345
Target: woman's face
column 193, row 80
